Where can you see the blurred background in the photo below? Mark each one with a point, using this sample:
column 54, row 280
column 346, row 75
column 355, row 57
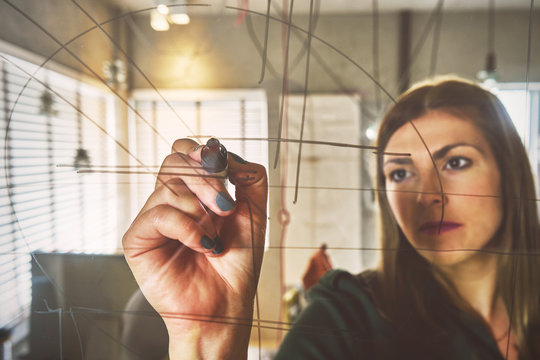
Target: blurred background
column 94, row 92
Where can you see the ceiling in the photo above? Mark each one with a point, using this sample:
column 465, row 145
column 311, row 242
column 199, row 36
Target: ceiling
column 333, row 6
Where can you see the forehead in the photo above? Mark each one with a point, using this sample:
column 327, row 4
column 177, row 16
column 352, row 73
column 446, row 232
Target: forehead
column 436, row 129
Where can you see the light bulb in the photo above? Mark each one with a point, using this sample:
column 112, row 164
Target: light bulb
column 371, row 132
column 179, row 18
column 163, row 9
column 158, row 21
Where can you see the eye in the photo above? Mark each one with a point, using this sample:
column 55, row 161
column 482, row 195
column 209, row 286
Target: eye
column 399, row 175
column 458, row 163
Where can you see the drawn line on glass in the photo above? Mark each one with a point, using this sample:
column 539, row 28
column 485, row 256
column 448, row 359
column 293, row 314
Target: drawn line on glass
column 265, row 47
column 304, row 104
column 96, row 75
column 284, row 84
column 326, row 43
column 338, row 248
column 312, row 142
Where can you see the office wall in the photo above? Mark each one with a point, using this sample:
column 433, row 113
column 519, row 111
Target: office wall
column 64, row 21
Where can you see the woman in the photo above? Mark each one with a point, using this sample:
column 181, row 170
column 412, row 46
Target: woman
column 459, row 270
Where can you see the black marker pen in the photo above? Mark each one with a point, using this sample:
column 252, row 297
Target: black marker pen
column 214, row 158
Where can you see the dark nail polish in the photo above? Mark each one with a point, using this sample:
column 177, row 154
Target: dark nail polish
column 238, row 158
column 219, row 247
column 207, row 243
column 224, row 201
column 198, row 147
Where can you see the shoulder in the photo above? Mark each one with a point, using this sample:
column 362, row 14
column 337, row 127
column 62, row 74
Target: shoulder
column 344, row 285
column 341, row 319
column 349, row 298
column 337, row 277
column 353, row 296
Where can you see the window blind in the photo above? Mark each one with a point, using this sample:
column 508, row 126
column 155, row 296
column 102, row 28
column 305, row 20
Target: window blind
column 45, row 205
column 235, row 117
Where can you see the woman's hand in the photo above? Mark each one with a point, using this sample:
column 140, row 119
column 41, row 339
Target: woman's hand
column 196, row 254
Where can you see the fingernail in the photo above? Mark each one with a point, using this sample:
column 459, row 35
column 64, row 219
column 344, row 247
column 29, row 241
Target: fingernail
column 197, row 148
column 238, row 158
column 219, row 246
column 207, row 243
column 224, row 201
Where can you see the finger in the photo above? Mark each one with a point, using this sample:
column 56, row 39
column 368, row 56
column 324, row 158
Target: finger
column 251, row 197
column 163, row 223
column 184, row 146
column 175, row 193
column 208, row 188
column 250, row 180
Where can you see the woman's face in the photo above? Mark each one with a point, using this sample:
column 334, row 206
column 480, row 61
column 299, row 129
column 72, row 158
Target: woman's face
column 471, row 187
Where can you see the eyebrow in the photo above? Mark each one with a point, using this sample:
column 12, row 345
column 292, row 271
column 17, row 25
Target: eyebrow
column 436, row 155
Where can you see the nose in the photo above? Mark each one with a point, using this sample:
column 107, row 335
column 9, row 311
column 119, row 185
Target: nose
column 431, row 190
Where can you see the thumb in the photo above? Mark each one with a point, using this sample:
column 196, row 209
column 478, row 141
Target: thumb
column 251, row 182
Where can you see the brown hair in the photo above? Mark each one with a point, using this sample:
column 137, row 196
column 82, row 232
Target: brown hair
column 407, row 279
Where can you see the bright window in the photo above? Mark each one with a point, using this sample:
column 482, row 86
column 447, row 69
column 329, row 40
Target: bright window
column 237, row 117
column 51, row 125
column 522, row 103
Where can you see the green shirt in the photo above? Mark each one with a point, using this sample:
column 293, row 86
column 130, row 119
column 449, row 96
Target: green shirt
column 342, row 322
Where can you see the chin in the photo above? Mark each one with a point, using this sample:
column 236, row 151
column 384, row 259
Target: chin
column 444, row 257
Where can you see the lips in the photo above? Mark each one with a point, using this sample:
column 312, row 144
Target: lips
column 432, row 227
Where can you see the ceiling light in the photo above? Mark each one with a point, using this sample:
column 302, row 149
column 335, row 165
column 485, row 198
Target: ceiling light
column 168, row 12
column 371, row 132
column 179, row 15
column 163, row 9
column 179, row 18
column 158, row 21
column 489, row 76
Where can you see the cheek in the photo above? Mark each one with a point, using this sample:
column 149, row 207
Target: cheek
column 481, row 201
column 483, row 185
column 401, row 206
column 486, row 211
